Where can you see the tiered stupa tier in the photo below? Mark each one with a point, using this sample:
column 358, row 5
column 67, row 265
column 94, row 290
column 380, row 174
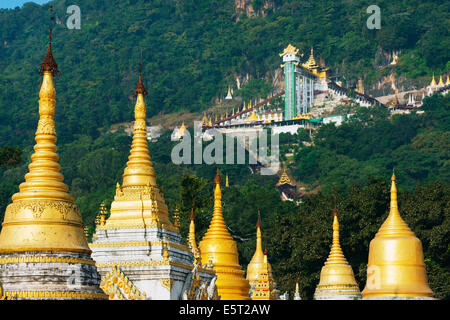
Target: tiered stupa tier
column 44, row 253
column 138, row 239
column 259, row 272
column 218, row 247
column 337, row 281
column 396, row 269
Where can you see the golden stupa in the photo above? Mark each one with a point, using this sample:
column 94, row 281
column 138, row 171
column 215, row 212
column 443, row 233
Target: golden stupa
column 253, row 116
column 43, row 216
column 259, row 272
column 337, row 281
column 433, row 82
column 396, row 269
column 441, row 82
column 219, row 247
column 138, row 202
column 42, row 236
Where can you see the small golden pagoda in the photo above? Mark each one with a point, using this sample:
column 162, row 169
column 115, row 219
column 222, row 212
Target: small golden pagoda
column 226, row 181
column 253, row 116
column 433, row 82
column 182, row 129
column 441, row 82
column 396, row 269
column 42, row 241
column 219, row 247
column 337, row 281
column 259, row 272
column 314, row 68
column 448, row 80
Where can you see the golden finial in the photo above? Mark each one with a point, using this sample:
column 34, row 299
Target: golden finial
column 49, row 63
column 176, row 218
column 140, row 88
column 226, row 181
column 139, row 170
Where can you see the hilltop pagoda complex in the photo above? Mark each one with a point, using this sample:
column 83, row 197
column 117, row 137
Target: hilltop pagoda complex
column 396, row 270
column 259, row 272
column 44, row 253
column 219, row 248
column 138, row 244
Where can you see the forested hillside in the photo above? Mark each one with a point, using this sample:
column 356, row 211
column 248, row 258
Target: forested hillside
column 192, row 50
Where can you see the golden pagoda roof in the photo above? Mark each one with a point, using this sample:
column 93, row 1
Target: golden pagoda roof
column 284, row 179
column 253, row 116
column 290, row 49
column 219, row 247
column 433, row 82
column 441, row 82
column 448, row 80
column 43, row 215
column 311, row 62
column 138, row 202
column 396, row 267
column 337, row 275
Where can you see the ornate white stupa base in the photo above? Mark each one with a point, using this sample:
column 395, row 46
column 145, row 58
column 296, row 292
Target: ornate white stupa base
column 337, row 294
column 49, row 276
column 151, row 263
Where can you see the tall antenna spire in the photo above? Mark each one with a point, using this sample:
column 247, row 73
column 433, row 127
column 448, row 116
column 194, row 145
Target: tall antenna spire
column 140, row 88
column 49, row 63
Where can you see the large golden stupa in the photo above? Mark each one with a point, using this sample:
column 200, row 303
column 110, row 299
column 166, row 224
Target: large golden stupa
column 42, row 241
column 396, row 269
column 219, row 247
column 337, row 281
column 138, row 240
column 259, row 272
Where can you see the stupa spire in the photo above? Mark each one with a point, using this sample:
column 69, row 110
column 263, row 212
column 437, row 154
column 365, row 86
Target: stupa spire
column 396, row 269
column 218, row 247
column 191, row 235
column 139, row 170
column 259, row 271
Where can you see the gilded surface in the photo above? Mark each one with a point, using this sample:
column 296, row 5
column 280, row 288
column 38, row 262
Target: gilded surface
column 219, row 247
column 396, row 267
column 118, row 287
column 337, row 275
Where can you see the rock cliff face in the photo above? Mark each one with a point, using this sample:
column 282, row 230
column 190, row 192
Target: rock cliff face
column 253, row 8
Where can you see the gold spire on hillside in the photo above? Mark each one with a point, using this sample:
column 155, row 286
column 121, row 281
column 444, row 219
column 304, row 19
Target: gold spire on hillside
column 433, row 82
column 441, row 82
column 139, row 202
column 448, row 80
column 253, row 116
column 226, row 181
column 204, row 120
column 43, row 216
column 311, row 62
column 219, row 247
column 396, row 267
column 337, row 280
